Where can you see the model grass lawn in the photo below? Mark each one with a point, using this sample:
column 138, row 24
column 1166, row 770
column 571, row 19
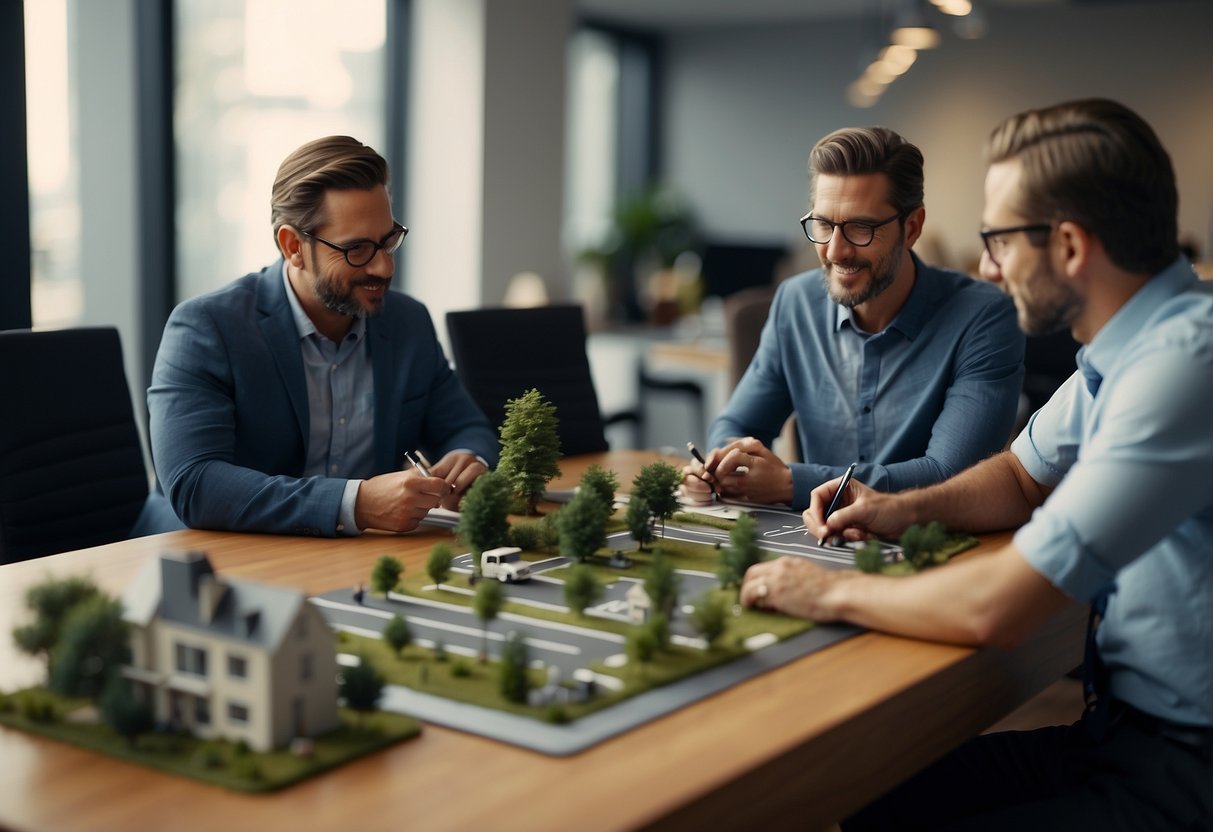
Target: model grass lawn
column 231, row 765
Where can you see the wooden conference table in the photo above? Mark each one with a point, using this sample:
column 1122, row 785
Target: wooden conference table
column 802, row 745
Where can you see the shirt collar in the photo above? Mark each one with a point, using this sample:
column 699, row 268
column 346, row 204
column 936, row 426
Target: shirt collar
column 912, row 316
column 1098, row 356
column 303, row 324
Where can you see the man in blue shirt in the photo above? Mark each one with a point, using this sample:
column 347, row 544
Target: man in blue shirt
column 285, row 401
column 1111, row 481
column 911, row 371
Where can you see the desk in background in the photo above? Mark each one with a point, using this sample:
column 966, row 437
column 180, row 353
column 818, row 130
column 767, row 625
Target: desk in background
column 807, row 743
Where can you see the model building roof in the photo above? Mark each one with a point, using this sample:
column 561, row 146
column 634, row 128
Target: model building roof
column 182, row 587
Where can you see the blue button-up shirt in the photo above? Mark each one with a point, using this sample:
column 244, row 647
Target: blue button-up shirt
column 341, row 406
column 1133, row 507
column 932, row 394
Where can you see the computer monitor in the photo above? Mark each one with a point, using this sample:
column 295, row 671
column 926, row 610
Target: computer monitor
column 731, row 267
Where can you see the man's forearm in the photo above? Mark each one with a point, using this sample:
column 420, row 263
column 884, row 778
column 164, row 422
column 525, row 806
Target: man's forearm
column 994, row 494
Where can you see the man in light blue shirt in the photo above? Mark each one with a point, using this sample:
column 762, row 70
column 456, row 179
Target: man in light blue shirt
column 911, row 371
column 1111, row 481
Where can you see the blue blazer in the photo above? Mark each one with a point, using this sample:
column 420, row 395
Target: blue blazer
column 229, row 413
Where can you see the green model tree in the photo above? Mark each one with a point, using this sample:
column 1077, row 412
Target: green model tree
column 603, row 483
column 869, row 557
column 486, row 604
column 397, row 634
column 95, row 643
column 741, row 553
column 662, row 584
column 549, row 531
column 639, row 520
column 484, row 515
column 709, row 616
column 658, row 484
column 581, row 588
column 361, row 687
column 50, row 602
column 126, row 715
column 582, row 527
column 659, row 626
column 525, row 535
column 640, row 647
column 530, row 446
column 438, row 565
column 514, row 679
column 386, row 574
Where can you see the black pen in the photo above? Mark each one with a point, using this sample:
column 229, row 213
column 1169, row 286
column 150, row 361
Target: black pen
column 699, row 458
column 842, row 486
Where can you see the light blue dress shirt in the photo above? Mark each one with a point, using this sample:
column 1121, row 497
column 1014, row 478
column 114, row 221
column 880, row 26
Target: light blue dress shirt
column 1133, row 507
column 932, row 394
column 341, row 406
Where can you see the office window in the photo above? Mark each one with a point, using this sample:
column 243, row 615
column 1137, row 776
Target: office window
column 57, row 291
column 237, row 712
column 256, row 79
column 611, row 131
column 202, row 710
column 237, row 666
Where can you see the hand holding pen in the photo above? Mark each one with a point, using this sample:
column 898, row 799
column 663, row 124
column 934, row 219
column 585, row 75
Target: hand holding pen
column 837, row 498
column 419, row 462
column 705, row 474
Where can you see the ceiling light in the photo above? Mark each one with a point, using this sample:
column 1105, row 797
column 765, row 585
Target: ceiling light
column 957, row 8
column 897, row 59
column 911, row 27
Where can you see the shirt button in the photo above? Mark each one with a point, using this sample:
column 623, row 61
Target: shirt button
column 341, row 421
column 341, row 527
column 863, row 459
column 333, row 367
column 867, row 408
column 332, row 467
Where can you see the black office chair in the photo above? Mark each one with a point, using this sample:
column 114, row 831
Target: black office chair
column 499, row 354
column 72, row 473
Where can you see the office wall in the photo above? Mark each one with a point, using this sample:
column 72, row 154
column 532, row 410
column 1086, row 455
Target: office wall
column 745, row 105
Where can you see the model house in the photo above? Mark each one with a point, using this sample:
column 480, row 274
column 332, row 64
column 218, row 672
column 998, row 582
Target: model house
column 229, row 658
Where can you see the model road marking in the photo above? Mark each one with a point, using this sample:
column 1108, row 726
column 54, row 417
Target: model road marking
column 585, row 632
column 537, row 643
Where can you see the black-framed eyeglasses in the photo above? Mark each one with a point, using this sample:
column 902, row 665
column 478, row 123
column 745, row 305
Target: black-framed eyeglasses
column 996, row 244
column 856, row 232
column 361, row 252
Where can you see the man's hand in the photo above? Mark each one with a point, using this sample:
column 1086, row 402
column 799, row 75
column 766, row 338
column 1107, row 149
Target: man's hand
column 460, row 469
column 794, row 586
column 744, row 469
column 861, row 512
column 396, row 502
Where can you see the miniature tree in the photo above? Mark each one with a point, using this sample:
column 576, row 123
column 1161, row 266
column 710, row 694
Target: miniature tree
column 514, row 680
column 741, row 553
column 662, row 584
column 438, row 565
column 581, row 589
column 95, row 643
column 397, row 634
column 50, row 602
column 658, row 484
column 639, row 520
column 549, row 531
column 603, row 483
column 934, row 537
column 483, row 515
column 386, row 574
column 640, row 647
column 659, row 626
column 709, row 616
column 582, row 527
column 911, row 545
column 486, row 604
column 525, row 536
column 530, row 446
column 870, row 557
column 126, row 715
column 361, row 687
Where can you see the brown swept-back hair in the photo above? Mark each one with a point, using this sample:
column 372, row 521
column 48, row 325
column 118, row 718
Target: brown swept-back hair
column 1096, row 163
column 332, row 163
column 859, row 150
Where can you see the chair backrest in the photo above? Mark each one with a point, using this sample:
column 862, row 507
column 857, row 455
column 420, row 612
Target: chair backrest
column 499, row 354
column 745, row 314
column 72, row 473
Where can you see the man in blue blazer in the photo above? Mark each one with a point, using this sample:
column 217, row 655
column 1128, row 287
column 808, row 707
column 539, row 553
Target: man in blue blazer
column 285, row 401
